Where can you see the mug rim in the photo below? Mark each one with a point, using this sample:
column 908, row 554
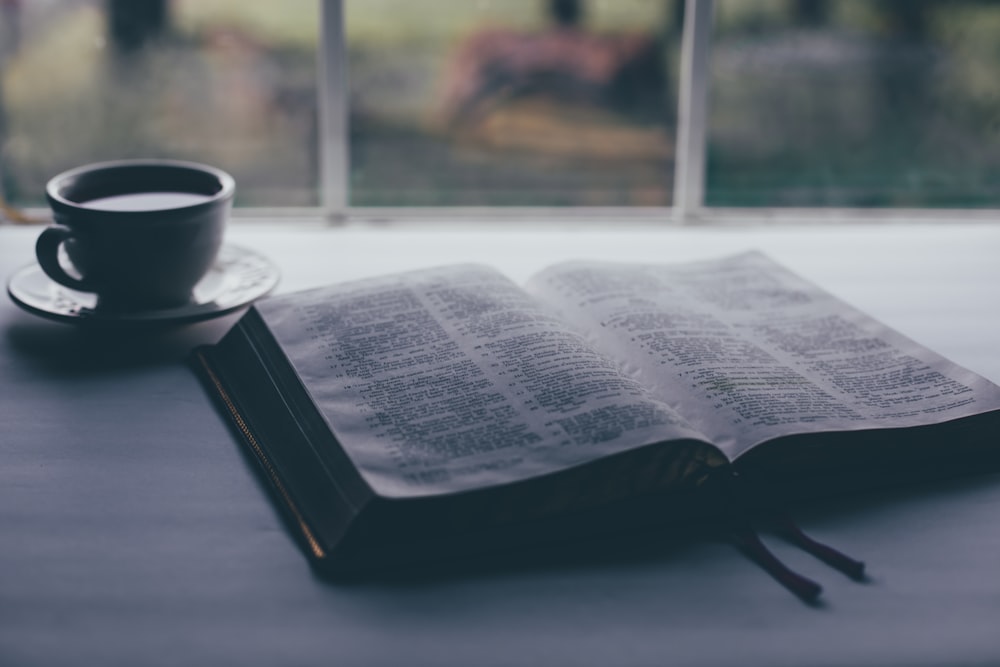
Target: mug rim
column 61, row 204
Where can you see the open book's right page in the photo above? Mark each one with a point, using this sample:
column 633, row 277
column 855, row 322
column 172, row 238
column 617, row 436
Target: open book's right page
column 748, row 351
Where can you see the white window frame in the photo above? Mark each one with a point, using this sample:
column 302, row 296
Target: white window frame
column 689, row 170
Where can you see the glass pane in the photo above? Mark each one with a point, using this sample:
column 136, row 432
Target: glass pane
column 855, row 103
column 520, row 102
column 226, row 82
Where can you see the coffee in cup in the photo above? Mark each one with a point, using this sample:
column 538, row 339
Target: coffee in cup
column 139, row 233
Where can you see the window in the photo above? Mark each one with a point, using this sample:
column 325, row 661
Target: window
column 858, row 103
column 224, row 82
column 521, row 102
column 434, row 105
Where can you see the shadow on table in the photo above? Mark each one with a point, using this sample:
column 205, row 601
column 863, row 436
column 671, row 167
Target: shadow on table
column 68, row 351
column 866, row 516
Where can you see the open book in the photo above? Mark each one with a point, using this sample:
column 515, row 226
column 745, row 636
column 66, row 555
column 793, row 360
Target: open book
column 449, row 409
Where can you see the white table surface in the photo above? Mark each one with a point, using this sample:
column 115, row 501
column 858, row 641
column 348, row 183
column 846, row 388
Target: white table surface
column 133, row 530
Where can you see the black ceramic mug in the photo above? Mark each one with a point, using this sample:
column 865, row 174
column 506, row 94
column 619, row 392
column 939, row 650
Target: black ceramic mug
column 140, row 233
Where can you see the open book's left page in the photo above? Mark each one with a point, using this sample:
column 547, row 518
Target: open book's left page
column 455, row 379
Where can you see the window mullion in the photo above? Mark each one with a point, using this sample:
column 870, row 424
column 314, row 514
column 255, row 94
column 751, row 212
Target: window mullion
column 692, row 110
column 333, row 98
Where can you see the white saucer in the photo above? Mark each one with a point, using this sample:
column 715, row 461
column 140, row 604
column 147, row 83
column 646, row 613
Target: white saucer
column 238, row 277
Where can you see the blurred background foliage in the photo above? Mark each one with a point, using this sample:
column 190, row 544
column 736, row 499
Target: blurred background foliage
column 813, row 102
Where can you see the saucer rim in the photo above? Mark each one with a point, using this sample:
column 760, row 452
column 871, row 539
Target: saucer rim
column 157, row 317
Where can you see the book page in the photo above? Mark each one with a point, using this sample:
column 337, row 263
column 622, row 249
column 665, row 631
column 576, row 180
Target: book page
column 748, row 351
column 456, row 378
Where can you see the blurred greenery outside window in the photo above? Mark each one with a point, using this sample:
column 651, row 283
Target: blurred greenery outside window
column 224, row 82
column 812, row 103
column 861, row 103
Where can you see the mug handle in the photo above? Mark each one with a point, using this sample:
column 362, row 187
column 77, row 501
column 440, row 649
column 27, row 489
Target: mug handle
column 47, row 252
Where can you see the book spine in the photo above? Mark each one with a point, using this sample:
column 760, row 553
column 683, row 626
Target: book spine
column 296, row 517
